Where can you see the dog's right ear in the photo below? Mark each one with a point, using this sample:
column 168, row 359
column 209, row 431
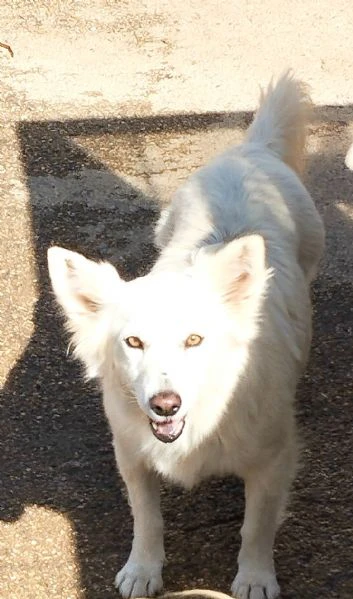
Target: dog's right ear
column 83, row 288
column 237, row 269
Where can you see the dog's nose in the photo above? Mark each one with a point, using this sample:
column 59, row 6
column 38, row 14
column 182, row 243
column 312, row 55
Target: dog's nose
column 165, row 403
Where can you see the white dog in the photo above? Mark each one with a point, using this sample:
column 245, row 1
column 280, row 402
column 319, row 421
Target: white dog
column 199, row 360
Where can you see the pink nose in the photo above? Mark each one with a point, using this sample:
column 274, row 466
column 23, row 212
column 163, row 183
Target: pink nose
column 165, row 403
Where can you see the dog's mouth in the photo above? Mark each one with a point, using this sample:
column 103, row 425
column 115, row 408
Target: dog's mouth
column 167, row 431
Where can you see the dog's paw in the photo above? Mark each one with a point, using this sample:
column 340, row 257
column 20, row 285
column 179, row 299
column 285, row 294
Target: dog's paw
column 262, row 585
column 139, row 580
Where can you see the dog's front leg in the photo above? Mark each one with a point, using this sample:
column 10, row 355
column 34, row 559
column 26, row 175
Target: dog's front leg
column 266, row 491
column 142, row 574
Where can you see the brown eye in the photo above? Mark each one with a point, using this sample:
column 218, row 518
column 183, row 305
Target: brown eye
column 193, row 340
column 134, row 342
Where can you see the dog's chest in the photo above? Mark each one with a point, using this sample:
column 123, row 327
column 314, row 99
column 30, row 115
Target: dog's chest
column 213, row 458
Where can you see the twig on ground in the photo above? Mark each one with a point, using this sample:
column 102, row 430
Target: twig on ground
column 7, row 47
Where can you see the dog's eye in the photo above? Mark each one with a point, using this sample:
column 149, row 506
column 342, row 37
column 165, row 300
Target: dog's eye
column 193, row 340
column 134, row 342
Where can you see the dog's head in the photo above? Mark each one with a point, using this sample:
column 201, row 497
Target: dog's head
column 176, row 341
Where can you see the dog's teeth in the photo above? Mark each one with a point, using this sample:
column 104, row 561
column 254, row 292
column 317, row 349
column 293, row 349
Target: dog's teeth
column 154, row 425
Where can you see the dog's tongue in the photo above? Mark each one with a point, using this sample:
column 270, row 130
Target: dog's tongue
column 168, row 428
column 167, row 431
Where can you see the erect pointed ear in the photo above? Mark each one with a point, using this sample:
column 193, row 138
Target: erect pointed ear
column 83, row 287
column 238, row 269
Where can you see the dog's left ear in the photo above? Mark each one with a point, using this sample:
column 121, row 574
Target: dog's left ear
column 238, row 269
column 81, row 286
column 84, row 288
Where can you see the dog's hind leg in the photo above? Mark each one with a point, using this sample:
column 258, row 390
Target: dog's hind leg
column 142, row 574
column 266, row 492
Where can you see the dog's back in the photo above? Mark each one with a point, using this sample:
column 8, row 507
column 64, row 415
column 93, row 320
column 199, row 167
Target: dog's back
column 254, row 187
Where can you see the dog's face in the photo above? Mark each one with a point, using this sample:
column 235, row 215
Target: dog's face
column 172, row 329
column 174, row 338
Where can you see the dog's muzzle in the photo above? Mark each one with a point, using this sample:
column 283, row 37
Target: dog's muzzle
column 165, row 405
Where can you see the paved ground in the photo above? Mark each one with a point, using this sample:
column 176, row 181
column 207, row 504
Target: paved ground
column 93, row 140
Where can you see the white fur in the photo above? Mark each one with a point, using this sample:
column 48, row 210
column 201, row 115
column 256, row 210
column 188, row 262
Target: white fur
column 240, row 244
column 349, row 158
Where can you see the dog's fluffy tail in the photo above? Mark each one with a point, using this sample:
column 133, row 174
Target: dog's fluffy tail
column 280, row 122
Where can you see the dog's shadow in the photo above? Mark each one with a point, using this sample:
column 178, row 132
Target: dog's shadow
column 57, row 449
